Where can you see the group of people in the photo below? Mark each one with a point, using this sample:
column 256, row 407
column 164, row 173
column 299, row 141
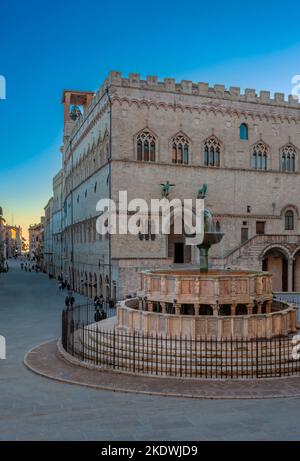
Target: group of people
column 27, row 267
column 100, row 313
column 99, row 304
column 63, row 284
column 70, row 300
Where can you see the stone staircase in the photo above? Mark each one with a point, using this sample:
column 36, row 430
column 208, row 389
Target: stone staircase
column 247, row 254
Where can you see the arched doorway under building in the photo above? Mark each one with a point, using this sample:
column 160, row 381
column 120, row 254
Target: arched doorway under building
column 275, row 261
column 296, row 271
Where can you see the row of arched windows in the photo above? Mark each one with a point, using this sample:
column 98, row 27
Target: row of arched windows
column 261, row 153
column 147, row 149
column 88, row 164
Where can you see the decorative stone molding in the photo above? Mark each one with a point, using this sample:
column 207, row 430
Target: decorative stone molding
column 224, row 111
column 191, row 287
column 279, row 322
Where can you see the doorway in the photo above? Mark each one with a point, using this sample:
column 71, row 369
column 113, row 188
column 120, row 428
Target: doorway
column 177, row 249
column 260, row 227
column 244, row 234
column 178, row 252
column 275, row 262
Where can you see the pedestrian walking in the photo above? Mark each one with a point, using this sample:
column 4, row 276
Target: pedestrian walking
column 72, row 301
column 67, row 302
column 101, row 301
column 96, row 302
column 97, row 316
column 103, row 314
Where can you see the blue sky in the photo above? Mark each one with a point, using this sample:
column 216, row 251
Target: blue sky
column 46, row 46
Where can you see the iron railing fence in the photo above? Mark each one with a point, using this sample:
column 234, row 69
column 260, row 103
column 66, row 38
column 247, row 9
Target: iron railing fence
column 185, row 357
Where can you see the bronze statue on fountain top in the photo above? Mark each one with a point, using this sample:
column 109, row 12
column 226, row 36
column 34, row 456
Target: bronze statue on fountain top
column 212, row 232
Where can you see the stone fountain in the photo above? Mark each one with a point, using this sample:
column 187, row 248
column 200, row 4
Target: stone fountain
column 205, row 303
column 197, row 323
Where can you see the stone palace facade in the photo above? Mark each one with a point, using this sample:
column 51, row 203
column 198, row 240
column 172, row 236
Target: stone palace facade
column 136, row 134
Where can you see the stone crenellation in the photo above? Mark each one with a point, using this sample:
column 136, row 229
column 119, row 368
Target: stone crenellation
column 185, row 87
column 202, row 89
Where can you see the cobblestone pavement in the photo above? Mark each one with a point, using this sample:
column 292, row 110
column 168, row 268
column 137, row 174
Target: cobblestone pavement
column 45, row 360
column 36, row 408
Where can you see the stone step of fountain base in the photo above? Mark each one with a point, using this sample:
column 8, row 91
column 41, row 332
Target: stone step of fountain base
column 191, row 369
column 132, row 354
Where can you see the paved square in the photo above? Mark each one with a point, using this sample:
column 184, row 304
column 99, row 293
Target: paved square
column 34, row 408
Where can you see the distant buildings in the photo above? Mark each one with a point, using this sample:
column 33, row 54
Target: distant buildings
column 2, row 240
column 13, row 240
column 35, row 233
column 57, row 225
column 48, row 238
column 45, row 238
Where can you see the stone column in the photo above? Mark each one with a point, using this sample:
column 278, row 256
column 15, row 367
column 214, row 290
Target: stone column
column 177, row 308
column 177, row 287
column 163, row 307
column 268, row 307
column 196, row 309
column 259, row 308
column 140, row 304
column 163, row 285
column 150, row 306
column 249, row 309
column 293, row 320
column 215, row 308
column 233, row 310
column 290, row 274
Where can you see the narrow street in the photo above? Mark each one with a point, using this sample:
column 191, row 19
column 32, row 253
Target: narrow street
column 35, row 408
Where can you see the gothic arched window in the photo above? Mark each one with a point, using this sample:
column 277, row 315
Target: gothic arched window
column 289, row 220
column 212, row 152
column 146, row 146
column 244, row 131
column 180, row 149
column 288, row 158
column 260, row 156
